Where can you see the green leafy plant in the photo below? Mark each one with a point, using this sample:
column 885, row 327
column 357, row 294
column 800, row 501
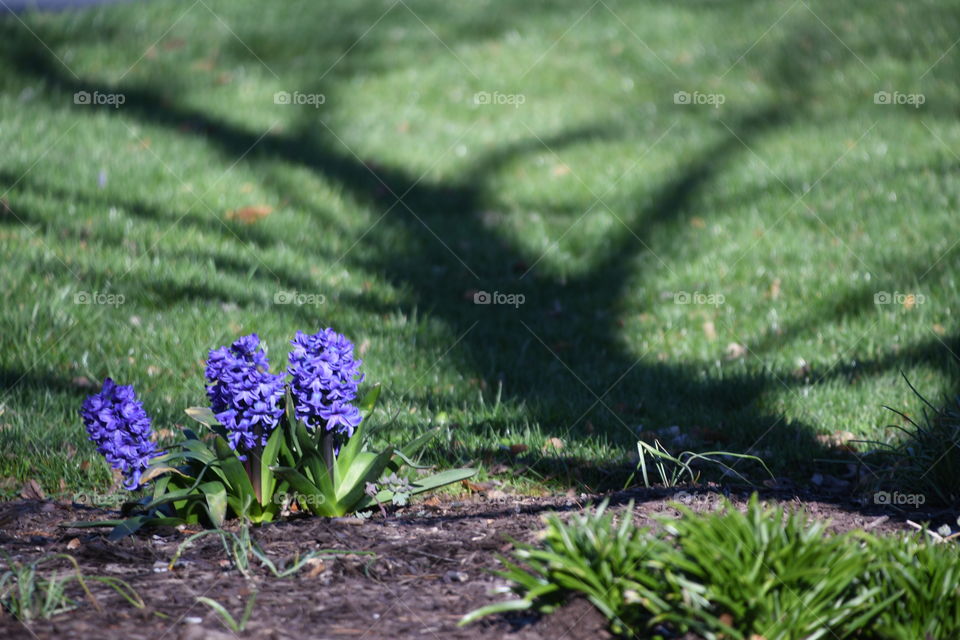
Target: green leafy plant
column 920, row 581
column 27, row 594
column 764, row 572
column 203, row 481
column 732, row 574
column 591, row 555
column 335, row 485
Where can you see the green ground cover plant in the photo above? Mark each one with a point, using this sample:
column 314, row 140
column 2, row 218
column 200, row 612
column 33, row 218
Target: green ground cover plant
column 731, row 574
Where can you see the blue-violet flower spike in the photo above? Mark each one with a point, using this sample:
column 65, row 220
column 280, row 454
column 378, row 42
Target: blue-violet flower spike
column 245, row 397
column 325, row 379
column 117, row 423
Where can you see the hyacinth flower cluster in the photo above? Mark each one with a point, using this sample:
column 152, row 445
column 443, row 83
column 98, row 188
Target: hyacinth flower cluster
column 245, row 397
column 117, row 423
column 325, row 377
column 257, row 445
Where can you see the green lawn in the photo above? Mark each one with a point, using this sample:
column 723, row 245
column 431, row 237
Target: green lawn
column 581, row 185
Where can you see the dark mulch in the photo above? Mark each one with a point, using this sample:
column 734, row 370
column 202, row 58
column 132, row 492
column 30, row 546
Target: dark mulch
column 432, row 565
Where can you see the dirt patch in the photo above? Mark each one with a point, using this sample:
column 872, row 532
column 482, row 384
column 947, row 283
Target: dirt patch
column 422, row 568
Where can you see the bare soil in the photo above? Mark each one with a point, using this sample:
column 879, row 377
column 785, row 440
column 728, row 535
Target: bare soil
column 427, row 565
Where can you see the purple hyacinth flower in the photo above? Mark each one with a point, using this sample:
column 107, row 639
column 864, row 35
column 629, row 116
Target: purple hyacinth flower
column 245, row 397
column 117, row 423
column 325, row 377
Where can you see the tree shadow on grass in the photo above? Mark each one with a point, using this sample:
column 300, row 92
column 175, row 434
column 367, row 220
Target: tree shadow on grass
column 561, row 353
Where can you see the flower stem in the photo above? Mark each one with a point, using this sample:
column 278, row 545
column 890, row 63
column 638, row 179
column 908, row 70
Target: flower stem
column 326, row 443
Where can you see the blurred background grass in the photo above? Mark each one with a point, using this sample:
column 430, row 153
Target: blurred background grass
column 532, row 148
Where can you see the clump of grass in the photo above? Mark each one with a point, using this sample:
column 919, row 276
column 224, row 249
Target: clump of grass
column 242, row 549
column 674, row 470
column 227, row 618
column 27, row 594
column 731, row 574
column 926, row 462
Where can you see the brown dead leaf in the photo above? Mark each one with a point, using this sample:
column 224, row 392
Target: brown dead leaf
column 83, row 382
column 172, row 44
column 476, row 487
column 774, row 292
column 837, row 440
column 73, row 544
column 553, row 443
column 709, row 330
column 317, row 567
column 249, row 215
column 32, row 491
column 518, row 448
column 205, row 64
column 432, row 501
column 735, row 350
